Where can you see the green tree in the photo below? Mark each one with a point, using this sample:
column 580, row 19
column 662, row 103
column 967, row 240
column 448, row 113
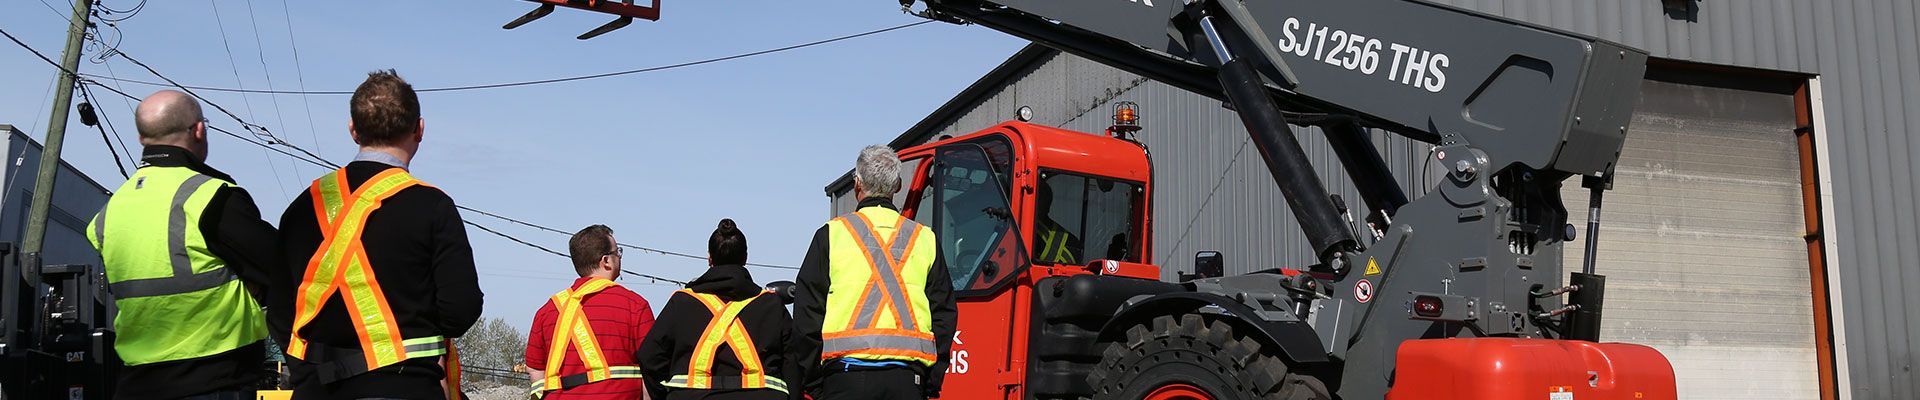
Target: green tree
column 489, row 352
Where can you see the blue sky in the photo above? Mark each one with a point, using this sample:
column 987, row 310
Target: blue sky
column 660, row 157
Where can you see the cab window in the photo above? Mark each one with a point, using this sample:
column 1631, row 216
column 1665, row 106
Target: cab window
column 1080, row 219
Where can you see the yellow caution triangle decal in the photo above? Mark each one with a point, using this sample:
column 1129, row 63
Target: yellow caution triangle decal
column 1373, row 267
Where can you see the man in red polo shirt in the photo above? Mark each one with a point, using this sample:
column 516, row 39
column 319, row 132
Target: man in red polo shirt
column 565, row 363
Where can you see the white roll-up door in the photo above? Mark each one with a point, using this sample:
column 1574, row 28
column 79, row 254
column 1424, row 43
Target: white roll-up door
column 1701, row 242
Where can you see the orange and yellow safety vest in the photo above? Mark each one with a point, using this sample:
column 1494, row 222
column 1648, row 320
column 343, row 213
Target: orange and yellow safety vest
column 574, row 329
column 725, row 328
column 340, row 266
column 877, row 308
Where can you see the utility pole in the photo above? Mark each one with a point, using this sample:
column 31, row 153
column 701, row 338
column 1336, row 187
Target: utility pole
column 36, row 234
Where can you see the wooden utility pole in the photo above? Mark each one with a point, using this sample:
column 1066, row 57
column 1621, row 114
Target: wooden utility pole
column 36, row 234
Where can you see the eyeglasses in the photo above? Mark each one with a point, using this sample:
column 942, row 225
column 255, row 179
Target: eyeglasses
column 617, row 252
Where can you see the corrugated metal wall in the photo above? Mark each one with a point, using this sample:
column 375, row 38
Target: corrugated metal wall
column 1865, row 54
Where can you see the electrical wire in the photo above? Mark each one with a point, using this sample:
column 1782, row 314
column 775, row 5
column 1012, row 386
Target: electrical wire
column 541, row 81
column 320, row 161
column 300, row 73
column 487, row 369
column 244, row 99
column 260, row 50
column 630, row 246
column 129, row 12
column 102, row 127
column 130, row 110
column 255, row 129
column 1209, row 199
column 56, row 10
column 503, row 235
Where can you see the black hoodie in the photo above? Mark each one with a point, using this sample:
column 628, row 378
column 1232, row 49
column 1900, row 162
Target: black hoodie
column 668, row 348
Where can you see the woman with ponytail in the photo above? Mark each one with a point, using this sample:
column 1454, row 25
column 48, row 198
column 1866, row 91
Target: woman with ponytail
column 697, row 352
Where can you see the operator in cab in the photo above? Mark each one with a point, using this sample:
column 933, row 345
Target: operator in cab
column 186, row 257
column 378, row 270
column 585, row 337
column 723, row 337
column 873, row 308
column 1053, row 242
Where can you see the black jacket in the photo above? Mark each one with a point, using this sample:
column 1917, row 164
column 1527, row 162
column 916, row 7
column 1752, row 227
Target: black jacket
column 668, row 348
column 235, row 233
column 809, row 312
column 423, row 264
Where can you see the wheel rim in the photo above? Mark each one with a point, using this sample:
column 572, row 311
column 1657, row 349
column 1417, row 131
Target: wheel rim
column 1179, row 391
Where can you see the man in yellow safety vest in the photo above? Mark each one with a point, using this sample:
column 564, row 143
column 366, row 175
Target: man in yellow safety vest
column 1053, row 242
column 186, row 260
column 873, row 310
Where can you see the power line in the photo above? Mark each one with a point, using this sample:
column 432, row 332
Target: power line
column 130, row 110
column 260, row 50
column 244, row 99
column 321, row 161
column 542, row 81
column 630, row 246
column 1209, row 199
column 300, row 73
column 56, row 10
column 129, row 12
column 487, row 369
column 255, row 129
column 101, row 119
column 328, row 164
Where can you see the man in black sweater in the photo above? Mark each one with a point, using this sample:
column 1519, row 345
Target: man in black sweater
column 416, row 259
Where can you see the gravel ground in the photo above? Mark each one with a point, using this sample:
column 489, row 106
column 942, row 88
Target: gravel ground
column 493, row 391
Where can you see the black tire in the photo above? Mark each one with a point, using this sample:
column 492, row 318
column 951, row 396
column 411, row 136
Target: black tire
column 1190, row 350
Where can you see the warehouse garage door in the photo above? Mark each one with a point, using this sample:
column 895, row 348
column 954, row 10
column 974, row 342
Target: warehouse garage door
column 1701, row 238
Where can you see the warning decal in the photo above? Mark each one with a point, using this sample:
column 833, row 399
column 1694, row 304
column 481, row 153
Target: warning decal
column 1560, row 393
column 1363, row 291
column 1373, row 267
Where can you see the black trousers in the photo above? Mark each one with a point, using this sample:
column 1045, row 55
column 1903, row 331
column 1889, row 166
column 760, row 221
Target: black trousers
column 885, row 384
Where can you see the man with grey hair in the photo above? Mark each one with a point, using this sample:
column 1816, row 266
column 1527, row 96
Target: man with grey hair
column 873, row 311
column 186, row 255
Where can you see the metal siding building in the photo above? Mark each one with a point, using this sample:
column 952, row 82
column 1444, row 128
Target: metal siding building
column 1704, row 229
column 76, row 198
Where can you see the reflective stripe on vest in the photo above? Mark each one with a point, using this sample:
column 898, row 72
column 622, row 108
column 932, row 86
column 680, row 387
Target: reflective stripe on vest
column 573, row 329
column 613, row 372
column 725, row 328
column 176, row 300
column 877, row 308
column 340, row 266
column 1053, row 245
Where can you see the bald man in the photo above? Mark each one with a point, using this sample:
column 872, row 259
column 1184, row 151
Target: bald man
column 185, row 253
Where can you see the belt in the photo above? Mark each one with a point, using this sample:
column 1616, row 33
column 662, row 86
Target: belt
column 333, row 364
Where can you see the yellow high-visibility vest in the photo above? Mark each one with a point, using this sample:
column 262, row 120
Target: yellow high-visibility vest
column 725, row 328
column 574, row 329
column 340, row 266
column 877, row 308
column 1054, row 241
column 176, row 300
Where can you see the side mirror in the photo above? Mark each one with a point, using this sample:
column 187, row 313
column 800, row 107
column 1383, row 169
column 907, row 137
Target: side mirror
column 784, row 289
column 1207, row 264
